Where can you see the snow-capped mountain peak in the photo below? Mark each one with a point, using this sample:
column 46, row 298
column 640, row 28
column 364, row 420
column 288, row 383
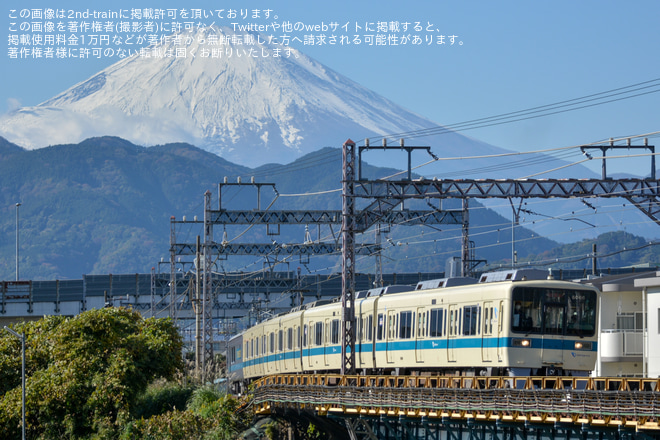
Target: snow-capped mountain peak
column 241, row 96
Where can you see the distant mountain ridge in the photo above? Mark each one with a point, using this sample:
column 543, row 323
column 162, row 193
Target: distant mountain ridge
column 103, row 206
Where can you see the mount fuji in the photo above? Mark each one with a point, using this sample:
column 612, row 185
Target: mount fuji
column 251, row 110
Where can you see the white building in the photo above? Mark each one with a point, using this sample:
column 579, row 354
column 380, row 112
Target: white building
column 621, row 325
column 650, row 287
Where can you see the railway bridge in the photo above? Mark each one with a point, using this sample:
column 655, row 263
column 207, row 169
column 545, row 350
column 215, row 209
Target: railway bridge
column 469, row 407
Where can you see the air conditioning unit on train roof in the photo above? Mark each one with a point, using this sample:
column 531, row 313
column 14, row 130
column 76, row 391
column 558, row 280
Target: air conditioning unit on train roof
column 514, row 275
column 380, row 291
column 445, row 282
column 317, row 303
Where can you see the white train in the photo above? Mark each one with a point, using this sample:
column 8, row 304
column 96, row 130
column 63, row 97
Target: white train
column 506, row 323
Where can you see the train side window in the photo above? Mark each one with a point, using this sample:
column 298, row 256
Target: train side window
column 458, row 323
column 446, row 319
column 304, row 338
column 369, row 329
column 334, row 337
column 272, row 342
column 297, row 337
column 421, row 325
column 380, row 327
column 471, row 320
column 359, row 329
column 289, row 339
column 487, row 330
column 452, row 322
column 406, row 325
column 263, row 344
column 391, row 327
column 435, row 323
column 318, row 334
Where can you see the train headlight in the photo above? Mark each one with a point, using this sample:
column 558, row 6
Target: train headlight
column 583, row 345
column 518, row 342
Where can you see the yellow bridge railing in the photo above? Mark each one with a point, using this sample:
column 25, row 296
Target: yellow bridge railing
column 627, row 402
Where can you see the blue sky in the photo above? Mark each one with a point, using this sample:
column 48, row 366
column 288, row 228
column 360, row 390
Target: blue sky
column 514, row 55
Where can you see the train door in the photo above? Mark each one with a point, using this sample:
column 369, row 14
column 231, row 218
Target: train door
column 420, row 334
column 498, row 319
column 302, row 345
column 391, row 336
column 326, row 343
column 453, row 331
column 553, row 326
column 488, row 345
column 288, row 348
column 310, row 340
column 279, row 354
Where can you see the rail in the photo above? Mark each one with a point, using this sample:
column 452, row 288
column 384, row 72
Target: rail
column 619, row 402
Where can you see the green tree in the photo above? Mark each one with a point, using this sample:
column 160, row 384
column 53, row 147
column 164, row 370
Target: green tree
column 210, row 415
column 84, row 374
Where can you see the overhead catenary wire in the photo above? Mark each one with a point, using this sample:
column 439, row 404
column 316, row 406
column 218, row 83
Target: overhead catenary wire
column 306, row 163
column 546, row 110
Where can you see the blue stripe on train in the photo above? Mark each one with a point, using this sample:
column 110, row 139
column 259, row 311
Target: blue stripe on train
column 426, row 344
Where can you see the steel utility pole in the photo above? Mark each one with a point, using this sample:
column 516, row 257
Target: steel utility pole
column 17, row 205
column 348, row 259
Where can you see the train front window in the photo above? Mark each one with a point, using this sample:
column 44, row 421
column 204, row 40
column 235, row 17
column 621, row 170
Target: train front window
column 553, row 311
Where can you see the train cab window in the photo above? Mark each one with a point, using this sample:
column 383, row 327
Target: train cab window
column 318, row 333
column 369, row 327
column 471, row 320
column 334, row 336
column 380, row 327
column 406, row 325
column 435, row 323
column 554, row 311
